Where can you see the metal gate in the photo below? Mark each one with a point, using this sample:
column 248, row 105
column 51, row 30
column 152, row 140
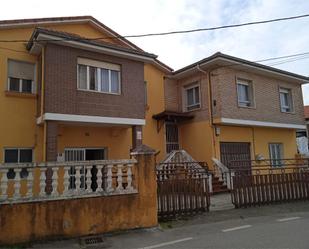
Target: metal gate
column 171, row 136
column 183, row 189
column 234, row 151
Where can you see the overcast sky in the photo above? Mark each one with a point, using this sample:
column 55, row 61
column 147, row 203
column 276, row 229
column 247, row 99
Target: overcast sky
column 129, row 17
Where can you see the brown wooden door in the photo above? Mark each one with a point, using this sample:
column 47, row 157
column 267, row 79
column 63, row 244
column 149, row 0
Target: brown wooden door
column 231, row 151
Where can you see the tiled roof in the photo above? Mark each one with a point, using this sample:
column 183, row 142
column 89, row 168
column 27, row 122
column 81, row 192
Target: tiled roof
column 36, row 22
column 239, row 61
column 73, row 37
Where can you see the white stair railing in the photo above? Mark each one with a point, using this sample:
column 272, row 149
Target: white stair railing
column 184, row 159
column 223, row 173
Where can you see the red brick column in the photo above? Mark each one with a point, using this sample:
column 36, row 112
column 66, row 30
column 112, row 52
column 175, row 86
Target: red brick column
column 51, row 140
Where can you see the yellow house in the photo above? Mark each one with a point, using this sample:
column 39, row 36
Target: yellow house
column 73, row 89
column 228, row 108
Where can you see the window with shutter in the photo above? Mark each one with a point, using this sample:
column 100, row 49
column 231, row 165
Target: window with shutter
column 21, row 76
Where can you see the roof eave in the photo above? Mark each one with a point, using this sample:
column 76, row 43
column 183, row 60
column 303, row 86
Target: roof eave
column 39, row 37
column 239, row 62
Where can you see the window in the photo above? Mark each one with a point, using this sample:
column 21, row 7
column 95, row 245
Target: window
column 21, row 76
column 276, row 154
column 245, row 93
column 18, row 156
column 192, row 94
column 98, row 76
column 286, row 100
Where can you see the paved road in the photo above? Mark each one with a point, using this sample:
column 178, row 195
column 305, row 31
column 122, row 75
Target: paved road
column 278, row 226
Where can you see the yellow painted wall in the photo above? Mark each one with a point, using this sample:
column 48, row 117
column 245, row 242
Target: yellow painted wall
column 259, row 138
column 196, row 139
column 155, row 96
column 117, row 140
column 287, row 137
column 18, row 113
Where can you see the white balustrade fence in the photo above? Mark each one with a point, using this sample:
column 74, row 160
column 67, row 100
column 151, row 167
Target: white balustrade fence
column 65, row 180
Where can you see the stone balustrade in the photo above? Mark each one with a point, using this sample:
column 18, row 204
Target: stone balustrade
column 66, row 180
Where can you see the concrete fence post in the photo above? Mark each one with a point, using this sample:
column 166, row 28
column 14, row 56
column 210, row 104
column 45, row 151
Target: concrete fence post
column 147, row 182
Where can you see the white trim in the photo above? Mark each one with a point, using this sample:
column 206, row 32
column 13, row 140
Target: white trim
column 259, row 123
column 90, row 119
column 93, row 47
column 98, row 64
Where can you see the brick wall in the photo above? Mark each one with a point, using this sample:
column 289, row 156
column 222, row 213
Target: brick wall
column 62, row 96
column 174, row 90
column 224, row 97
column 266, row 96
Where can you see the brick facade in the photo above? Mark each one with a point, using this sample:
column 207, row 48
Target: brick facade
column 224, row 97
column 51, row 140
column 62, row 96
column 266, row 98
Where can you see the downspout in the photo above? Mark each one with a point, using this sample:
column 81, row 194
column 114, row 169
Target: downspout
column 208, row 74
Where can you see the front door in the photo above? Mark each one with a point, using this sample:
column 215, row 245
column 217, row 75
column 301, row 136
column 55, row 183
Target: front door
column 231, row 151
column 171, row 137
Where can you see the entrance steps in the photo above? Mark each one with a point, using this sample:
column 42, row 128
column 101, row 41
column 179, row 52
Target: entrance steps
column 218, row 186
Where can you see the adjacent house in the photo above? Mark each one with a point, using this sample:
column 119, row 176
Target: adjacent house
column 232, row 109
column 73, row 89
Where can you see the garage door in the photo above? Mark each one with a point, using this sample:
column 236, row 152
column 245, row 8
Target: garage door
column 230, row 151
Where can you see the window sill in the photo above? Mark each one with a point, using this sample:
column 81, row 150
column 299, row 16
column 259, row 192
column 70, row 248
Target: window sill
column 93, row 91
column 287, row 112
column 20, row 95
column 247, row 107
column 193, row 110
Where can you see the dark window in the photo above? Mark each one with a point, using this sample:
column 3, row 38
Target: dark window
column 93, row 78
column 14, row 84
column 25, row 156
column 11, row 156
column 26, row 86
column 17, row 156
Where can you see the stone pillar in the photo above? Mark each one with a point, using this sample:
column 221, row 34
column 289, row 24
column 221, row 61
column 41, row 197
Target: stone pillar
column 137, row 136
column 51, row 140
column 146, row 183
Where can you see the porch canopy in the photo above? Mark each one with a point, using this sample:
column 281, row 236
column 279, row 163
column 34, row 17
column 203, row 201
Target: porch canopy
column 170, row 116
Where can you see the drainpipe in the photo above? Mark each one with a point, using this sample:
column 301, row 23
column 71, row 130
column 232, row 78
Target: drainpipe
column 208, row 74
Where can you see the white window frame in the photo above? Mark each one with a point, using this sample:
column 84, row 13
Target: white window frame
column 185, row 96
column 99, row 65
column 18, row 153
column 20, row 87
column 276, row 162
column 287, row 91
column 249, row 84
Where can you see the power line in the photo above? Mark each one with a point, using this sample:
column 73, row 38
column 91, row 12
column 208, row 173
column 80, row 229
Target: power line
column 219, row 27
column 173, row 32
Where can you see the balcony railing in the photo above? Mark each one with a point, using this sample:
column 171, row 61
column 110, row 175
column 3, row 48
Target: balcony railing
column 63, row 180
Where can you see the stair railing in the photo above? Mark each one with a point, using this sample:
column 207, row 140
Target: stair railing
column 223, row 173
